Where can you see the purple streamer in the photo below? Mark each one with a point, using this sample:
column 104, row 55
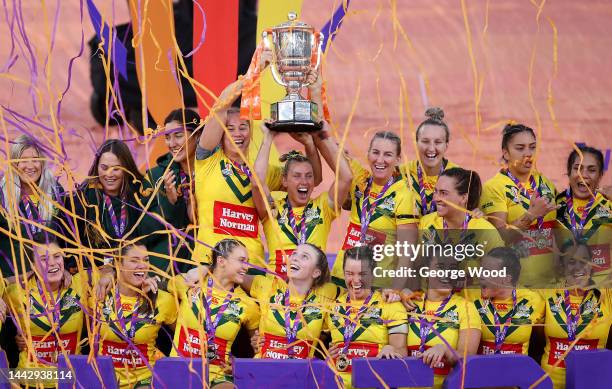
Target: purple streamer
column 203, row 35
column 330, row 29
column 119, row 50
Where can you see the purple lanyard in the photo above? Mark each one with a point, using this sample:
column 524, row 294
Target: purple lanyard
column 501, row 331
column 368, row 209
column 425, row 325
column 131, row 332
column 534, row 187
column 427, row 209
column 298, row 232
column 572, row 320
column 243, row 168
column 28, row 205
column 464, row 227
column 211, row 326
column 572, row 215
column 118, row 227
column 291, row 330
column 185, row 184
column 351, row 325
column 57, row 306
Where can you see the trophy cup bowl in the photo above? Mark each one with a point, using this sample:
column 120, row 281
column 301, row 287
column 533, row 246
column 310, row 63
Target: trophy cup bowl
column 296, row 49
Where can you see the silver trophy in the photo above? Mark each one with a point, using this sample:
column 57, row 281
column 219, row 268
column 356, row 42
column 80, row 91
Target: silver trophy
column 293, row 44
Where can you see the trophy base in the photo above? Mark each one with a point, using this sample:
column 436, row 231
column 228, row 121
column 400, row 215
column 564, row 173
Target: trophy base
column 295, row 116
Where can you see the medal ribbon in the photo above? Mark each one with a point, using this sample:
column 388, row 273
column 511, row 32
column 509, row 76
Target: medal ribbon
column 427, row 209
column 502, row 329
column 426, row 324
column 118, row 227
column 298, row 232
column 534, row 187
column 211, row 326
column 57, row 305
column 291, row 330
column 243, row 168
column 131, row 332
column 572, row 320
column 464, row 227
column 28, row 204
column 368, row 209
column 185, row 184
column 572, row 215
column 351, row 325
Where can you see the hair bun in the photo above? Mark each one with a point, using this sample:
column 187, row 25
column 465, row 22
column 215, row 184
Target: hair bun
column 435, row 113
column 293, row 154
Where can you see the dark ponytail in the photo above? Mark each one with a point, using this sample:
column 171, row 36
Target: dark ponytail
column 466, row 181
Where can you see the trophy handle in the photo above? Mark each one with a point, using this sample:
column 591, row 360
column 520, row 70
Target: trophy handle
column 277, row 77
column 319, row 53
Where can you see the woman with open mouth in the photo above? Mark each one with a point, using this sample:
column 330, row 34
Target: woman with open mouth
column 362, row 324
column 113, row 205
column 223, row 179
column 520, row 202
column 130, row 316
column 382, row 207
column 444, row 326
column 48, row 305
column 457, row 196
column 173, row 179
column 577, row 313
column 218, row 301
column 30, row 192
column 585, row 214
column 508, row 314
column 432, row 138
column 295, row 216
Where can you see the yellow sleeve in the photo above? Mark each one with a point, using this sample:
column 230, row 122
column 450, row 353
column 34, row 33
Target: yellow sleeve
column 493, row 197
column 251, row 319
column 203, row 167
column 274, row 177
column 405, row 211
column 329, row 214
column 167, row 307
column 177, row 286
column 469, row 317
column 329, row 291
column 261, row 287
column 394, row 315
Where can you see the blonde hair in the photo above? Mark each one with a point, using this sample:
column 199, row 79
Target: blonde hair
column 47, row 184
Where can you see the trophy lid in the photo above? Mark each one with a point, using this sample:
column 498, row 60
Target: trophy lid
column 294, row 23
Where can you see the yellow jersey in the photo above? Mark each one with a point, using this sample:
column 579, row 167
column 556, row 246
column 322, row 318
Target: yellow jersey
column 128, row 336
column 396, row 207
column 51, row 324
column 372, row 328
column 225, row 206
column 596, row 229
column 592, row 328
column 281, row 238
column 502, row 194
column 518, row 319
column 410, row 173
column 458, row 314
column 190, row 336
column 309, row 311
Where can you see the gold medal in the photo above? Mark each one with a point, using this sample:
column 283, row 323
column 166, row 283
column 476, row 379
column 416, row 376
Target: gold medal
column 342, row 363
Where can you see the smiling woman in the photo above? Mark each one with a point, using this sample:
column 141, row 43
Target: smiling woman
column 113, row 205
column 30, row 197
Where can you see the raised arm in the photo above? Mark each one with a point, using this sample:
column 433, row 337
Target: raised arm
column 213, row 131
column 330, row 151
column 261, row 194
